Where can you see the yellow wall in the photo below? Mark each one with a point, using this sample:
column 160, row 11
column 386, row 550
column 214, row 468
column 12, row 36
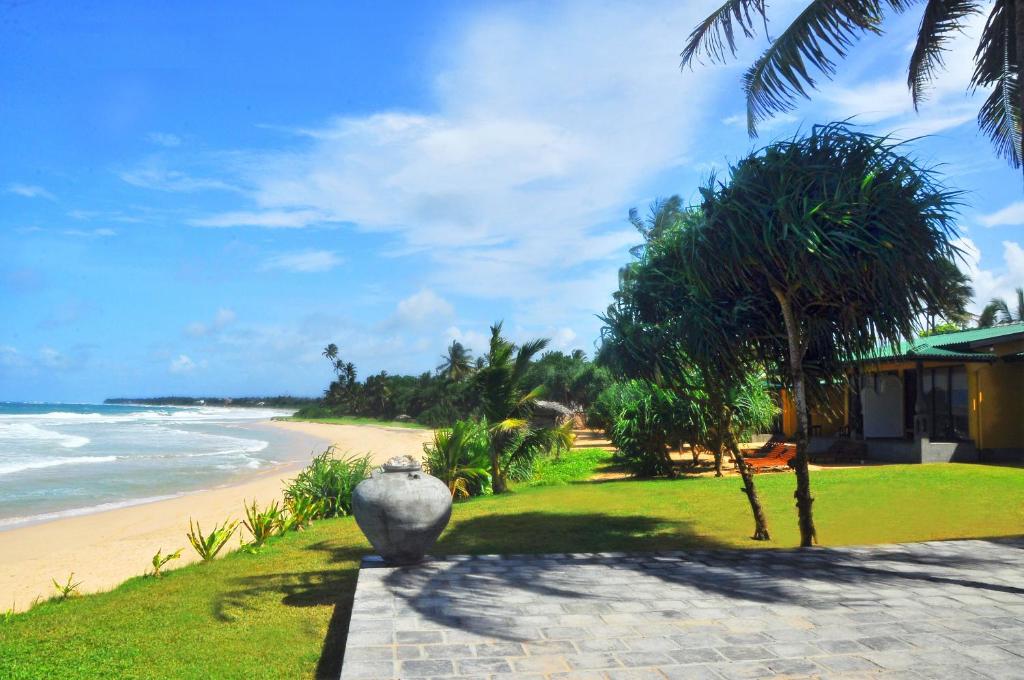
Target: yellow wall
column 829, row 422
column 997, row 406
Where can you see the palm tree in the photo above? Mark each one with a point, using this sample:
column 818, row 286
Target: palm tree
column 330, row 352
column 506, row 401
column 998, row 311
column 826, row 30
column 457, row 363
column 955, row 294
column 822, row 247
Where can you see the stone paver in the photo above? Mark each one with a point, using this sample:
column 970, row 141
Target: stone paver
column 950, row 609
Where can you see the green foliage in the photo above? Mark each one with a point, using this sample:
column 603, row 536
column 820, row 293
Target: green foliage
column 302, row 510
column 329, row 479
column 939, row 329
column 999, row 311
column 569, row 379
column 67, row 589
column 159, row 560
column 458, row 456
column 646, row 423
column 265, row 523
column 208, row 545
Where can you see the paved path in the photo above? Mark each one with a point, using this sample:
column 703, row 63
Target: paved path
column 926, row 610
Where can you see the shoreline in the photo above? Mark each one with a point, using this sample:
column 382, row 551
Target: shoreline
column 107, row 547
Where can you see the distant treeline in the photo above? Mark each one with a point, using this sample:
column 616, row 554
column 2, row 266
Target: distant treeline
column 452, row 391
column 269, row 402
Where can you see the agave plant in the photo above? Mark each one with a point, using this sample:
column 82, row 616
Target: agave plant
column 458, row 456
column 159, row 560
column 262, row 524
column 302, row 510
column 208, row 545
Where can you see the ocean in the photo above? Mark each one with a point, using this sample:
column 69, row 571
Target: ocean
column 60, row 460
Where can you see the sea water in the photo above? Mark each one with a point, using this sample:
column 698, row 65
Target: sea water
column 59, row 460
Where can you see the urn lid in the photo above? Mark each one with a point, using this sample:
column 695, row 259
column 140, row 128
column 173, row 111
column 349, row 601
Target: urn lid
column 401, row 464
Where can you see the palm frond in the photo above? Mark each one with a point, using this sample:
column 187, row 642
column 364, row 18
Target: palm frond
column 717, row 33
column 941, row 18
column 996, row 65
column 824, row 30
column 1020, row 304
column 988, row 316
column 510, row 425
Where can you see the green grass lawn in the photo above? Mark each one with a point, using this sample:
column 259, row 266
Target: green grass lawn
column 283, row 613
column 354, row 420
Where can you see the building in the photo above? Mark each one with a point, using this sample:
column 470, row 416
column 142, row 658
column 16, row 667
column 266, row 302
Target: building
column 949, row 397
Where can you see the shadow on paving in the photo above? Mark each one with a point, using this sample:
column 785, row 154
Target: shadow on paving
column 480, row 595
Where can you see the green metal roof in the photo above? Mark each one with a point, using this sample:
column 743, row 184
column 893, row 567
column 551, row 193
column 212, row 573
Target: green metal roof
column 955, row 346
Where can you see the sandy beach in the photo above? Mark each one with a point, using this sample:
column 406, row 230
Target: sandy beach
column 106, row 548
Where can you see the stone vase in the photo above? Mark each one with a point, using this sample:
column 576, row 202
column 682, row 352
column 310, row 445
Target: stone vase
column 402, row 510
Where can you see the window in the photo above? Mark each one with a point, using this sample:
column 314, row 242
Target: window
column 945, row 395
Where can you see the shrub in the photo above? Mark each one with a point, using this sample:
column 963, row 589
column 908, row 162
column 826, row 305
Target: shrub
column 458, row 456
column 159, row 560
column 209, row 545
column 644, row 427
column 330, row 480
column 314, row 411
column 263, row 524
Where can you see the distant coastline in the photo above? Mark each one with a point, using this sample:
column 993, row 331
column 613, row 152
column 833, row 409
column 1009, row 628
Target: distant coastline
column 280, row 401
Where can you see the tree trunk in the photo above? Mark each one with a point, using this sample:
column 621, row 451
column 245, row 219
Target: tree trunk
column 718, row 461
column 497, row 478
column 804, row 500
column 760, row 521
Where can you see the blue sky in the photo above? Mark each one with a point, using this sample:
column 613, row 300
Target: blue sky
column 195, row 200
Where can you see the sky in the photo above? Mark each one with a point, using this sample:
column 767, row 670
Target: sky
column 195, row 198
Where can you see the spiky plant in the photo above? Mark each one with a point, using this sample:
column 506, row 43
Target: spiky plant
column 208, row 545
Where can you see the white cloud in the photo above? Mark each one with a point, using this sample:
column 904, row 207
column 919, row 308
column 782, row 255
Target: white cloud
column 989, row 283
column 30, row 191
column 307, row 262
column 154, row 176
column 223, row 318
column 270, row 219
column 184, row 364
column 10, row 357
column 90, row 233
column 164, row 139
column 535, row 143
column 1012, row 214
column 54, row 360
column 422, row 308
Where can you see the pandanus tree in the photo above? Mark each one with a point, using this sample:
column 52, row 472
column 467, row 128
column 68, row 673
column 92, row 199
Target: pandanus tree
column 662, row 327
column 827, row 245
column 506, row 399
column 999, row 311
column 826, row 30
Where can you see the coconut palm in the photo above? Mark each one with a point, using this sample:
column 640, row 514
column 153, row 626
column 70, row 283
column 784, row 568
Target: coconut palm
column 822, row 247
column 826, row 30
column 998, row 311
column 330, row 352
column 505, row 399
column 457, row 363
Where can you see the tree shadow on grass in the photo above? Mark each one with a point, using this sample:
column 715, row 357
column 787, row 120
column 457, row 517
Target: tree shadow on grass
column 326, row 587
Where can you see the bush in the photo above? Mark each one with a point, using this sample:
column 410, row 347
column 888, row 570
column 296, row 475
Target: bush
column 314, row 411
column 458, row 456
column 263, row 524
column 644, row 426
column 330, row 480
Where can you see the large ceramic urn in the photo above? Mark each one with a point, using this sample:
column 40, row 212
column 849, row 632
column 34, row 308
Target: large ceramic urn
column 402, row 510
